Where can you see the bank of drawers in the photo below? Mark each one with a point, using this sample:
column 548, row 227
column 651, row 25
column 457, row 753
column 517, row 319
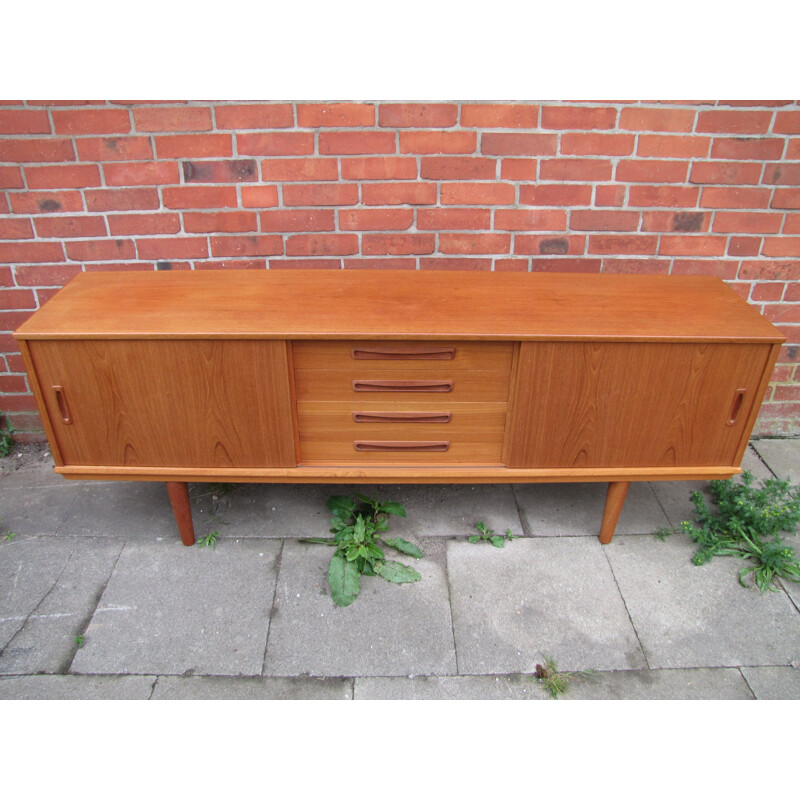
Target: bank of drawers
column 401, row 403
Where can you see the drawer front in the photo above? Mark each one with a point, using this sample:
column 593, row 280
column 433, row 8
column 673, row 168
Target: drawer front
column 433, row 451
column 345, row 355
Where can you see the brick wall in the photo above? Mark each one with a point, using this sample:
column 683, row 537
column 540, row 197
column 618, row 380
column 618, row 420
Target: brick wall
column 678, row 188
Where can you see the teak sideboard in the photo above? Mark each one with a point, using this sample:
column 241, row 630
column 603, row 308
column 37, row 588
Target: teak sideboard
column 362, row 376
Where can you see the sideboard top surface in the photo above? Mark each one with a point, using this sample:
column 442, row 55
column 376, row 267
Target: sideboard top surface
column 368, row 304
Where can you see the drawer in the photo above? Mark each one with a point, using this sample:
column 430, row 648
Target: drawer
column 436, row 386
column 390, row 355
column 389, row 452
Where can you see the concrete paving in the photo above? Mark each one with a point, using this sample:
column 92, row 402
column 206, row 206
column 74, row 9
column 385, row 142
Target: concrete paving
column 100, row 600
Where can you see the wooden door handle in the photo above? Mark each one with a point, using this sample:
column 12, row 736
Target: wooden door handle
column 422, row 447
column 736, row 406
column 63, row 408
column 401, row 416
column 403, row 386
column 411, row 353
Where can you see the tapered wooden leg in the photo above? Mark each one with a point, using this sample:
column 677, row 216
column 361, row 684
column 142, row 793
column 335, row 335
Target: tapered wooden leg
column 179, row 497
column 615, row 500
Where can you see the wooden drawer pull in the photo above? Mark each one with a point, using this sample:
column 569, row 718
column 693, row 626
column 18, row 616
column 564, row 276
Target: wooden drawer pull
column 401, row 416
column 63, row 408
column 388, row 447
column 736, row 406
column 403, row 386
column 422, row 353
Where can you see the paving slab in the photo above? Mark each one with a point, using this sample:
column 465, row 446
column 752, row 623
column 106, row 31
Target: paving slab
column 218, row 688
column 77, row 687
column 390, row 629
column 35, row 510
column 47, row 640
column 576, row 509
column 458, row 687
column 782, row 457
column 688, row 616
column 774, row 683
column 534, row 598
column 170, row 609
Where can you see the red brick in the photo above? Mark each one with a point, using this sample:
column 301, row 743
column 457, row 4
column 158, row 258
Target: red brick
column 587, row 265
column 772, row 271
column 285, row 143
column 69, row 227
column 786, row 198
column 220, row 222
column 636, row 266
column 14, row 384
column 575, row 169
column 595, row 220
column 380, row 263
column 387, row 194
column 320, row 194
column 596, row 144
column 75, row 176
column 437, row 142
column 417, row 115
column 753, row 102
column 266, row 115
column 172, row 119
column 141, row 173
column 132, row 266
column 738, row 148
column 782, row 174
column 456, row 264
column 733, row 172
column 657, row 119
column 466, row 243
column 724, row 121
column 744, row 246
column 746, row 222
column 4, row 207
column 18, row 299
column 16, row 402
column 792, row 150
column 786, row 122
column 46, row 274
column 250, row 263
column 570, row 117
column 397, row 244
column 555, row 194
column 30, row 252
column 298, row 220
column 792, row 334
column 380, row 168
column 454, row 219
column 781, row 312
column 300, row 169
column 94, row 121
column 36, row 150
column 792, row 292
column 692, row 246
column 229, row 246
column 11, row 178
column 20, row 228
column 23, row 121
column 726, row 270
column 610, row 195
column 519, row 169
column 306, row 263
column 101, row 250
column 196, row 145
column 376, row 219
column 783, row 373
column 454, row 168
column 783, row 246
column 167, row 249
column 6, row 276
column 259, row 196
column 322, row 244
column 549, row 245
column 652, row 171
column 654, row 146
column 517, row 219
column 200, row 197
column 670, row 196
column 129, row 224
column 46, row 202
column 670, row 221
column 123, row 199
column 126, row 148
column 787, row 392
column 340, row 115
column 626, row 245
column 734, row 197
column 471, row 194
column 511, row 265
column 497, row 115
column 519, row 144
column 237, row 170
